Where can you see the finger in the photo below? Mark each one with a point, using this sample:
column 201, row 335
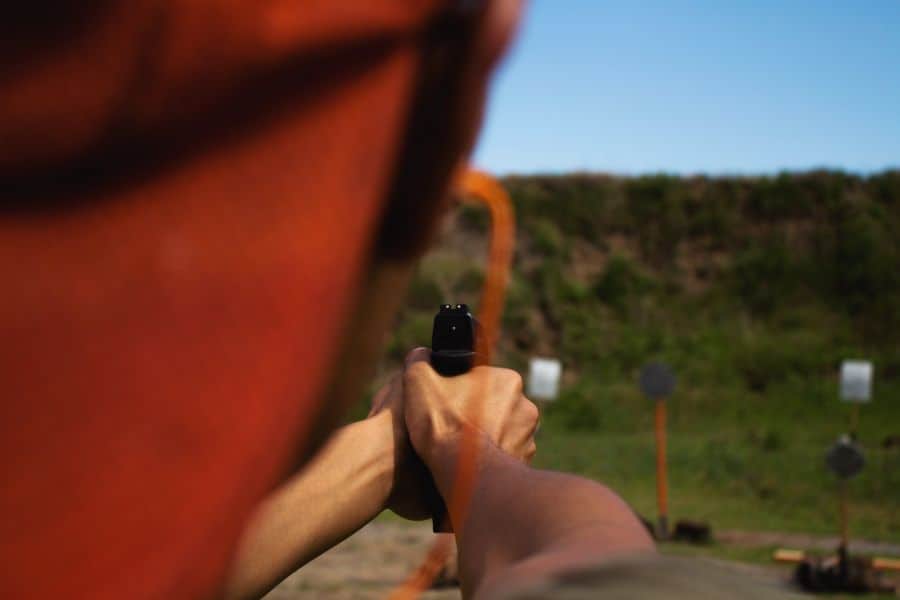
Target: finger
column 528, row 415
column 396, row 380
column 385, row 394
column 530, row 451
column 395, row 389
column 415, row 355
column 379, row 398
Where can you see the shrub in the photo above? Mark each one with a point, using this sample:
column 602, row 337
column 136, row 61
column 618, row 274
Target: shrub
column 636, row 346
column 655, row 204
column 885, row 187
column 520, row 301
column 764, row 274
column 779, row 198
column 546, row 239
column 414, row 330
column 556, row 289
column 620, row 283
column 474, row 217
column 424, row 292
column 864, row 267
column 584, row 336
column 769, row 359
column 713, row 211
column 576, row 204
column 470, row 282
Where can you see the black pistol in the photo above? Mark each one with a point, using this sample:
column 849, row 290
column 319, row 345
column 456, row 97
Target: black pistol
column 452, row 353
column 453, row 340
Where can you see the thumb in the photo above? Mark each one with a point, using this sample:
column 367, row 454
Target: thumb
column 415, row 355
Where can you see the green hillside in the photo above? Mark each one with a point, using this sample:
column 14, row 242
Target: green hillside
column 753, row 289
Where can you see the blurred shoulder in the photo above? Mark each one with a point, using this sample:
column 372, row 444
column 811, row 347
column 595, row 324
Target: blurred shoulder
column 656, row 577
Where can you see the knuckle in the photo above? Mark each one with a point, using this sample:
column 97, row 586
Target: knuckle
column 534, row 413
column 512, row 379
column 416, row 354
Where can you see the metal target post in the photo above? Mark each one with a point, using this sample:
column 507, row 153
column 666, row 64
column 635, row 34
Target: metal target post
column 657, row 382
column 846, row 460
column 844, row 509
column 662, row 476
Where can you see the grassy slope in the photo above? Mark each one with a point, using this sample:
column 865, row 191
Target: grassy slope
column 753, row 289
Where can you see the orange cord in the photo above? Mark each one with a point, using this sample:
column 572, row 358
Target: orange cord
column 662, row 477
column 478, row 186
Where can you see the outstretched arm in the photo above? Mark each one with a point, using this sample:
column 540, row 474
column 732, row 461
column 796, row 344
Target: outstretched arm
column 524, row 524
column 364, row 468
column 344, row 487
column 521, row 524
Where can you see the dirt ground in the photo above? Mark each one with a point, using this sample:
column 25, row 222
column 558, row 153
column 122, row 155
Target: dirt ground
column 371, row 563
column 368, row 565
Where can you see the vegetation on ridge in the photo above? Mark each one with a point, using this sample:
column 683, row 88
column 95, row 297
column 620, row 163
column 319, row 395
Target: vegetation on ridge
column 752, row 288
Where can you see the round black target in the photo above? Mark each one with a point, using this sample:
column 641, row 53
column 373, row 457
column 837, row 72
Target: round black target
column 657, row 380
column 845, row 458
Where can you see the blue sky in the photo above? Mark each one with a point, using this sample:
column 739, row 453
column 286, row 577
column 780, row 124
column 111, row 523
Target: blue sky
column 740, row 86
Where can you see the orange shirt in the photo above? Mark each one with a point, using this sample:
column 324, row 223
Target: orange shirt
column 190, row 193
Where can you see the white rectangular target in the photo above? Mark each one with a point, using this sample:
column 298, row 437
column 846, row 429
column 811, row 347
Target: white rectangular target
column 543, row 378
column 856, row 381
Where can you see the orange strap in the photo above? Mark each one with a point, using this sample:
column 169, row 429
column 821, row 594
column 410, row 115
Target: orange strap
column 478, row 186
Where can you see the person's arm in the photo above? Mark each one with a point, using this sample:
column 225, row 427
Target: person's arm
column 344, row 487
column 521, row 524
column 524, row 524
column 364, row 468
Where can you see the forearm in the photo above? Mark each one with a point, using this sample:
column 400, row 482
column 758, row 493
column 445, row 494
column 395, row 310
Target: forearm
column 344, row 487
column 524, row 523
